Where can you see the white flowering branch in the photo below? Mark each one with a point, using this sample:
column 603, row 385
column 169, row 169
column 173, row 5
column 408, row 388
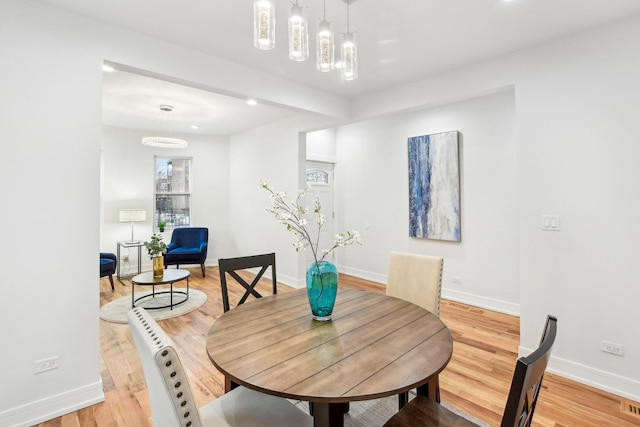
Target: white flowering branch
column 293, row 216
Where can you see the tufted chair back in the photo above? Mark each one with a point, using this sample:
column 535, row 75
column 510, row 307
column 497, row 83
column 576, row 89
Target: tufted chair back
column 172, row 403
column 417, row 279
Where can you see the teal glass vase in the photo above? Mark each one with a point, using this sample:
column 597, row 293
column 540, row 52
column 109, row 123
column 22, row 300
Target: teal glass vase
column 322, row 287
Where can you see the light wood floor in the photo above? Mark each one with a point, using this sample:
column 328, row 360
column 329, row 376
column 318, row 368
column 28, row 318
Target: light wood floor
column 476, row 380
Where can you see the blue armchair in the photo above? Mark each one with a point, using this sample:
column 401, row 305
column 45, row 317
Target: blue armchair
column 188, row 246
column 108, row 266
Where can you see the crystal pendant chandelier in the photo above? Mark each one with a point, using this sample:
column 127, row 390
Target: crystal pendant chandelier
column 264, row 24
column 349, row 51
column 298, row 34
column 349, row 54
column 162, row 141
column 325, row 60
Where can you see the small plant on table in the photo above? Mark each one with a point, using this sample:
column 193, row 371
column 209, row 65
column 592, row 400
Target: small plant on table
column 156, row 247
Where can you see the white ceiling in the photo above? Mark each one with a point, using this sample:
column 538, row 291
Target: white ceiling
column 398, row 40
column 133, row 101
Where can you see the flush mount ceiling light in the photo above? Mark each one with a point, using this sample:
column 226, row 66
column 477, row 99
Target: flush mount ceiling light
column 163, row 141
column 264, row 37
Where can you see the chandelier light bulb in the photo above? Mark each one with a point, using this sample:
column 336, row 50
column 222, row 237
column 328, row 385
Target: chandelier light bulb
column 325, row 60
column 298, row 35
column 349, row 51
column 264, row 24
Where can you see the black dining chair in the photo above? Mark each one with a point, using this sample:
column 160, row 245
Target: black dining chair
column 521, row 403
column 231, row 266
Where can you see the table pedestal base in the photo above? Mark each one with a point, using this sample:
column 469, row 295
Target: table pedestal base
column 329, row 414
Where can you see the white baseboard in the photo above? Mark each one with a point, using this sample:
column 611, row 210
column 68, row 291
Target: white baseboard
column 602, row 380
column 482, row 302
column 53, row 406
column 292, row 282
column 362, row 274
column 463, row 297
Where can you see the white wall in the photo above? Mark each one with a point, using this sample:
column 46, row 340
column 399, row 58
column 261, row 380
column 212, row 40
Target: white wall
column 372, row 196
column 127, row 175
column 321, row 145
column 577, row 103
column 50, row 105
column 276, row 153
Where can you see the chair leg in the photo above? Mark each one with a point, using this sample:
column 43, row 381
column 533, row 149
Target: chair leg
column 403, row 398
column 111, row 280
column 202, row 267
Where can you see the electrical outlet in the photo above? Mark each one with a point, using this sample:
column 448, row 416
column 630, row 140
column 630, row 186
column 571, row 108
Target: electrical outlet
column 609, row 347
column 46, row 364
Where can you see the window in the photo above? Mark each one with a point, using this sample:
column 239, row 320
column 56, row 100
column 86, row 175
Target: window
column 317, row 176
column 172, row 192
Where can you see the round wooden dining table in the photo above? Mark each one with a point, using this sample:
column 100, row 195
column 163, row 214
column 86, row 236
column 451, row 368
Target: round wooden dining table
column 373, row 346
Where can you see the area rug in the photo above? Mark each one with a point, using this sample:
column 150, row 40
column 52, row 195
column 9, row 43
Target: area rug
column 116, row 311
column 374, row 413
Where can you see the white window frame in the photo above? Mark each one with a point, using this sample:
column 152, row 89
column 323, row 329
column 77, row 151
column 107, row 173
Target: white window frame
column 157, row 193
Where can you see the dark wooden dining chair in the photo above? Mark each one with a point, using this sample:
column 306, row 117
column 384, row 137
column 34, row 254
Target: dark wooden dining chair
column 231, row 266
column 521, row 403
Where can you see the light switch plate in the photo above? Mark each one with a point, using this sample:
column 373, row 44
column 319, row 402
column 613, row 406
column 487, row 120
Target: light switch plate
column 551, row 222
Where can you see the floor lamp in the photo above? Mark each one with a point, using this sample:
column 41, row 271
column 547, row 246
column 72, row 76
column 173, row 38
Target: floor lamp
column 133, row 215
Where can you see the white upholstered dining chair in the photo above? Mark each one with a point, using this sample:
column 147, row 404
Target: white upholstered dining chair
column 417, row 279
column 170, row 397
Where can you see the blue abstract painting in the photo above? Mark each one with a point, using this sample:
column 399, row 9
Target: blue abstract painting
column 434, row 187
